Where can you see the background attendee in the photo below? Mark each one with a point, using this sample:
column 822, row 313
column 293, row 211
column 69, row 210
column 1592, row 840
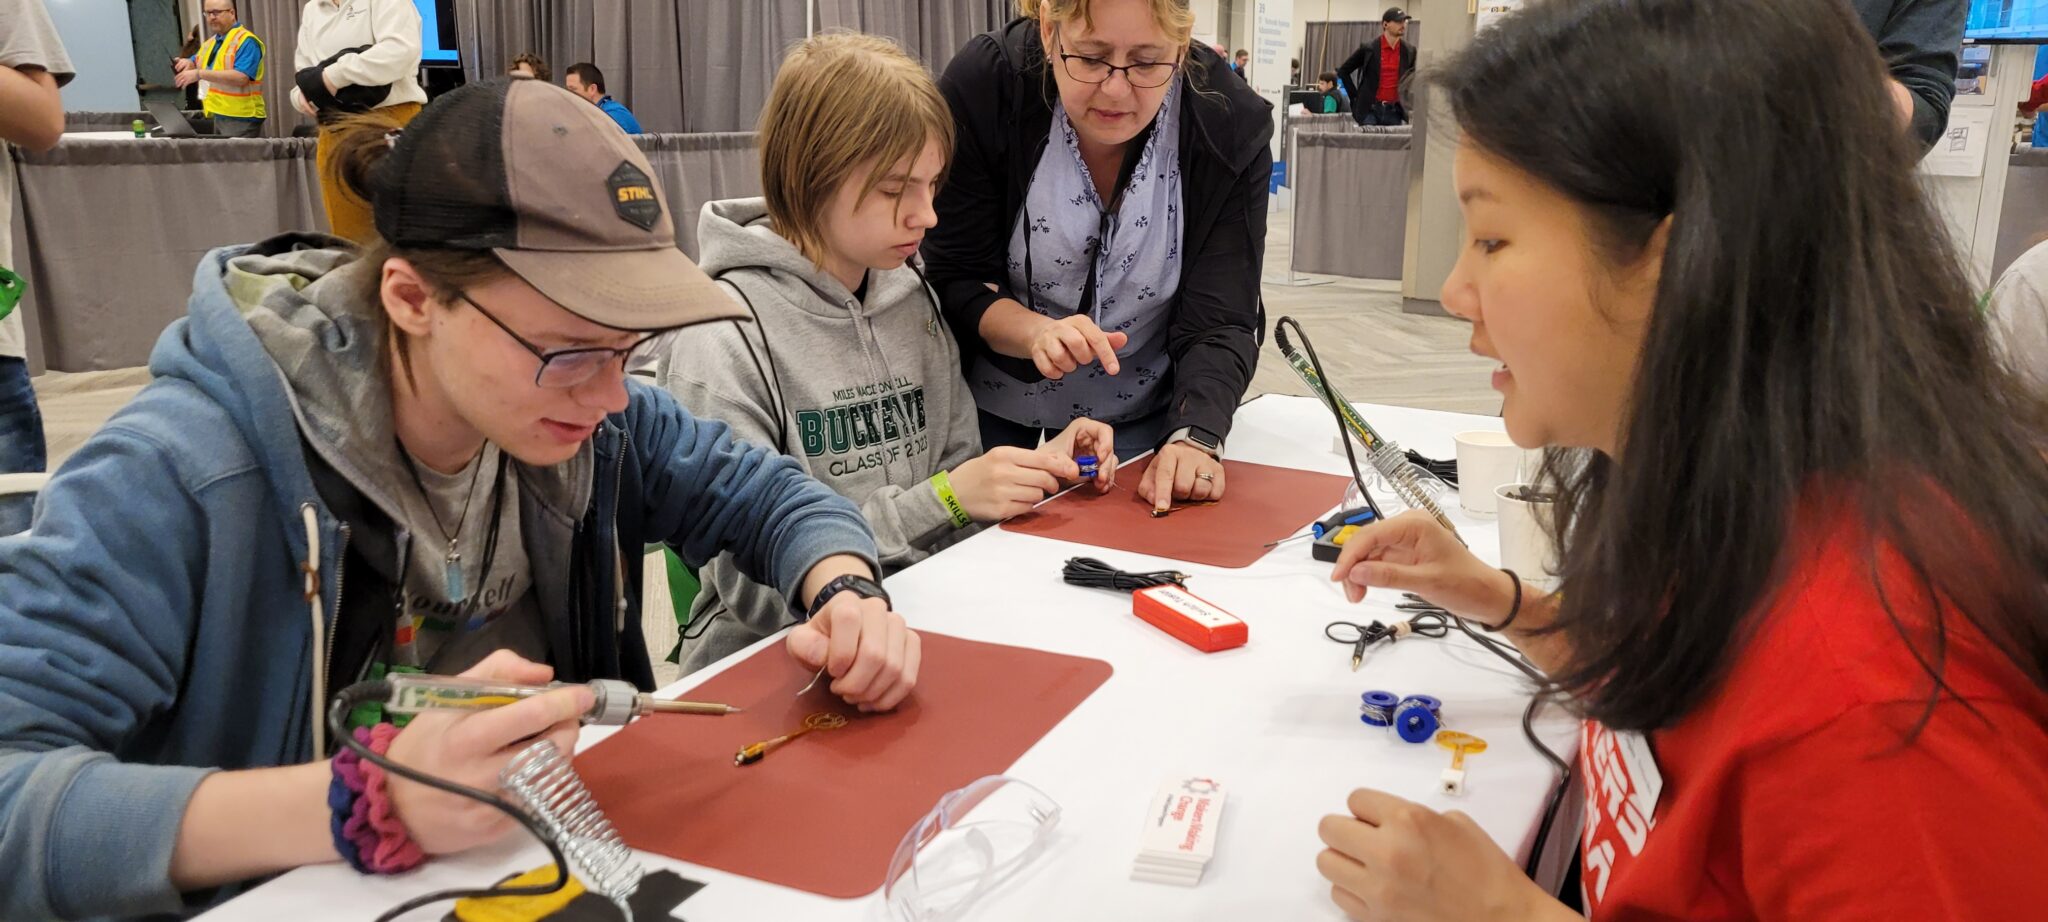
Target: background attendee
column 1798, row 501
column 228, row 67
column 356, row 56
column 1239, row 62
column 2019, row 314
column 434, row 418
column 1100, row 241
column 1921, row 42
column 1374, row 75
column 530, row 66
column 186, row 50
column 1333, row 101
column 854, row 141
column 32, row 66
column 587, row 81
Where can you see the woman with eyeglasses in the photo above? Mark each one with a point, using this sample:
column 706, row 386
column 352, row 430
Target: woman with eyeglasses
column 1100, row 238
column 424, row 455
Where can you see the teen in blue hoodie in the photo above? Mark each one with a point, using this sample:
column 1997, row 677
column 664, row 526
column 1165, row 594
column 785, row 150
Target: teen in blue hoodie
column 408, row 457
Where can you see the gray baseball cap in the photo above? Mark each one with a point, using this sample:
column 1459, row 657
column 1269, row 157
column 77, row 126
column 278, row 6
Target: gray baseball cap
column 551, row 185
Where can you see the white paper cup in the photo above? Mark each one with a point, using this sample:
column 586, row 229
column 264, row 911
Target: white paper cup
column 1486, row 460
column 1525, row 545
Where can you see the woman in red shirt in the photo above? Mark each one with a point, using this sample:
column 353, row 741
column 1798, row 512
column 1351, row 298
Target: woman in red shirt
column 1802, row 509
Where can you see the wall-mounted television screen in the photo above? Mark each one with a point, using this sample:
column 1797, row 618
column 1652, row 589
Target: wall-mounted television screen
column 2008, row 21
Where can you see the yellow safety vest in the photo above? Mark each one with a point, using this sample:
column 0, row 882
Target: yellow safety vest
column 219, row 100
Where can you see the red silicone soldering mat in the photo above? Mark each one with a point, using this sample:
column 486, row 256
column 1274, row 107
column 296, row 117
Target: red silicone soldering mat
column 1261, row 504
column 825, row 812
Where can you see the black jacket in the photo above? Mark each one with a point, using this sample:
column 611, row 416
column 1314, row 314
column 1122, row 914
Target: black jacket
column 1365, row 64
column 1001, row 96
column 1921, row 41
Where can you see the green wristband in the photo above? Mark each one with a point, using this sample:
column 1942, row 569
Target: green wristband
column 943, row 485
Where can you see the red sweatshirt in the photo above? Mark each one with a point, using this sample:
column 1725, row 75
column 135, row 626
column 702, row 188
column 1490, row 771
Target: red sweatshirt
column 1790, row 793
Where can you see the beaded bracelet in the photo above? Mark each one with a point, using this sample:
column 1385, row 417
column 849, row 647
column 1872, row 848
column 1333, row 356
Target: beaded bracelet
column 367, row 831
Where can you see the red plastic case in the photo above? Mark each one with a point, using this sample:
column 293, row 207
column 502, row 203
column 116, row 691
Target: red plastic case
column 1195, row 621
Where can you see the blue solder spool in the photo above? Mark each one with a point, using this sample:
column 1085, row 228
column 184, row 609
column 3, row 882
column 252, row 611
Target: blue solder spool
column 1376, row 708
column 1417, row 717
column 1089, row 465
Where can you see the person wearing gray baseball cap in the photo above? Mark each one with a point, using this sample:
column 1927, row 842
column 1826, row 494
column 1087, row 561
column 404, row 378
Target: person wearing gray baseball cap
column 422, row 454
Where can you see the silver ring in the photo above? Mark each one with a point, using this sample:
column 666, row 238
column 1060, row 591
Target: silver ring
column 1209, row 477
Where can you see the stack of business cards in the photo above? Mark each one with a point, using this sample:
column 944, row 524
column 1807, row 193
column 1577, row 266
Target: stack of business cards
column 1180, row 831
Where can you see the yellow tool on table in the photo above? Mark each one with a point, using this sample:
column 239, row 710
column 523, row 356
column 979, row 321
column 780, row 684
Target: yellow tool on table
column 1460, row 745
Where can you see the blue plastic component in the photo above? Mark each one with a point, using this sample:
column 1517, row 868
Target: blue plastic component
column 1376, row 708
column 1435, row 707
column 1415, row 723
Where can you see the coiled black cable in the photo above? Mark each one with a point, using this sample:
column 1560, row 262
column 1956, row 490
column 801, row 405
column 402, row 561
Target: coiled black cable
column 1095, row 574
column 1446, row 471
column 1544, row 691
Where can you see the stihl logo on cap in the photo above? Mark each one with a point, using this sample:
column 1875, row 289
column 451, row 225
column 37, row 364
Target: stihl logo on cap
column 633, row 196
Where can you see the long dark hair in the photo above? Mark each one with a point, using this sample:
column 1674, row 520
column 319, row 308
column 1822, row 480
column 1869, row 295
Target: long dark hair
column 1813, row 344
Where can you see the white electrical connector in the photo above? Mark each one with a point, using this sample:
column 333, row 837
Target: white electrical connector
column 1460, row 745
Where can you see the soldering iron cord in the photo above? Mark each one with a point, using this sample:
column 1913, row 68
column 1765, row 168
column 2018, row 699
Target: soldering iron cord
column 337, row 723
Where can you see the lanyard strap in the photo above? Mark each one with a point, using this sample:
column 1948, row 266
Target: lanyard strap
column 219, row 43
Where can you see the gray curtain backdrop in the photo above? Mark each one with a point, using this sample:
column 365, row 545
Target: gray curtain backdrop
column 151, row 209
column 680, row 65
column 1327, row 44
column 112, row 230
column 698, row 168
column 1350, row 203
column 276, row 22
column 931, row 30
column 105, row 121
column 699, row 66
column 1292, row 125
column 730, row 51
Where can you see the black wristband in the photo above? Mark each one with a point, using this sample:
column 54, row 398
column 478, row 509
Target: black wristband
column 850, row 582
column 1513, row 610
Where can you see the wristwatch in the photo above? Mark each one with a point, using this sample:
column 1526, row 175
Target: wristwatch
column 1199, row 437
column 850, row 582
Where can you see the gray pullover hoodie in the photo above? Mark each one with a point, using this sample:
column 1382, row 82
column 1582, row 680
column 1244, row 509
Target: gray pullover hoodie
column 867, row 395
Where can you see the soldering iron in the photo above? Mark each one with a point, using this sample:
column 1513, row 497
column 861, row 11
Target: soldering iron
column 614, row 702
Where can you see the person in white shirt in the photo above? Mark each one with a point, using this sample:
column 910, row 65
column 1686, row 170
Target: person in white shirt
column 2019, row 316
column 356, row 56
column 33, row 65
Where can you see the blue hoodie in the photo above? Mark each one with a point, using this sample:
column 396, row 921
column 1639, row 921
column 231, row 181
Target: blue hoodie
column 153, row 624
